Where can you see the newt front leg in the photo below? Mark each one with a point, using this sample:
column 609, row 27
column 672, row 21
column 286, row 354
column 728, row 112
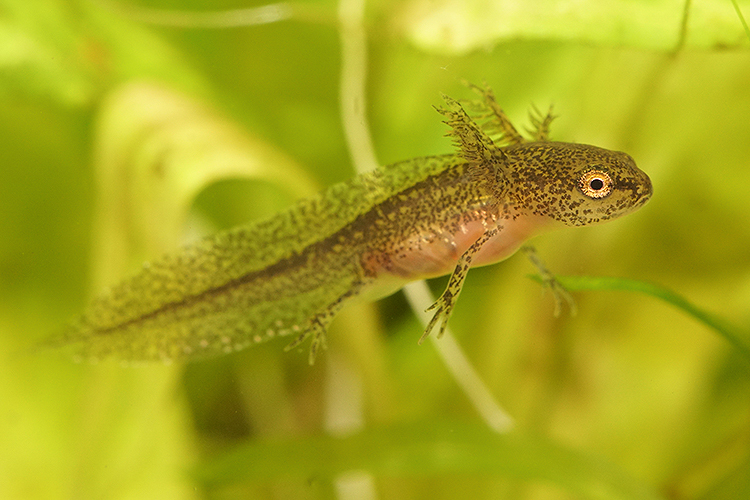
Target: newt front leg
column 444, row 305
column 559, row 292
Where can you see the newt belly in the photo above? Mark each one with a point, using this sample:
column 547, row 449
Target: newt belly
column 291, row 274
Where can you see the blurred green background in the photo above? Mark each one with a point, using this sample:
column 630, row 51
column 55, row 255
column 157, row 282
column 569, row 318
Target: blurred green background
column 122, row 139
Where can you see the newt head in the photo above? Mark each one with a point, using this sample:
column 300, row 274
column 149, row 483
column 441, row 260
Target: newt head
column 575, row 184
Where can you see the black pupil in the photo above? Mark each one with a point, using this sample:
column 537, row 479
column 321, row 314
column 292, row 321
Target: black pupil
column 596, row 184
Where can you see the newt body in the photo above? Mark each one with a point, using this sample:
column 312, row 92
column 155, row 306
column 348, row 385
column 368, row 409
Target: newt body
column 363, row 239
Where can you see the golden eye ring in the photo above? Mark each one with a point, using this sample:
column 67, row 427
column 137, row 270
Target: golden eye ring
column 595, row 184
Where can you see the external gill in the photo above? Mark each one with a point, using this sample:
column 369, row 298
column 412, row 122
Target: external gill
column 492, row 118
column 541, row 124
column 496, row 125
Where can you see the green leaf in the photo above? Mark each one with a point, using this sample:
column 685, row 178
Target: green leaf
column 38, row 55
column 453, row 26
column 156, row 149
column 420, row 449
column 68, row 52
column 739, row 338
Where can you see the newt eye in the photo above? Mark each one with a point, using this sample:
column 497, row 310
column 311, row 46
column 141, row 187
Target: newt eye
column 595, row 183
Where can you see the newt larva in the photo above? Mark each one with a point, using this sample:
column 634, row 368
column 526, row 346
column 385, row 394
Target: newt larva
column 290, row 274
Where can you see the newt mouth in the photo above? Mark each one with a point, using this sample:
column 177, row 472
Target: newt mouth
column 644, row 192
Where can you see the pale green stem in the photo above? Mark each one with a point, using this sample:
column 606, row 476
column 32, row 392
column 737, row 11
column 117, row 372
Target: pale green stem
column 418, row 294
column 344, row 383
column 221, row 19
column 354, row 117
column 742, row 18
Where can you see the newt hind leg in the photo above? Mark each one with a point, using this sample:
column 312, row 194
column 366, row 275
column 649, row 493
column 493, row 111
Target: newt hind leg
column 317, row 326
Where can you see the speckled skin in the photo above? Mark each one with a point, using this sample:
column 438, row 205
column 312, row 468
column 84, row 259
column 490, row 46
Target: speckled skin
column 365, row 238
